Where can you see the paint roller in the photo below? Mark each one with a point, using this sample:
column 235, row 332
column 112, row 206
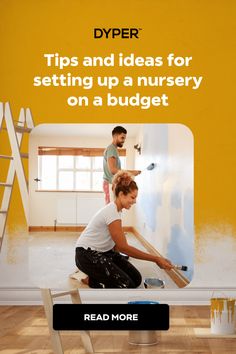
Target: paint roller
column 150, row 167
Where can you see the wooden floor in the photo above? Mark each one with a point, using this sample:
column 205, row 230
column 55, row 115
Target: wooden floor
column 23, row 329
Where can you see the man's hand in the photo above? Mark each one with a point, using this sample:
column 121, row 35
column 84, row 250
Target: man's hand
column 135, row 172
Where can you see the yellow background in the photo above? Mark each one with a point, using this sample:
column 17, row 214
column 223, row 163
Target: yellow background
column 204, row 30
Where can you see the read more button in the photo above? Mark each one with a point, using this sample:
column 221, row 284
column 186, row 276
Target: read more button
column 110, row 317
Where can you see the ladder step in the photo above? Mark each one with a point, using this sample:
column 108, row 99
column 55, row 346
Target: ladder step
column 24, row 155
column 17, row 122
column 3, row 212
column 19, row 129
column 6, row 157
column 2, row 184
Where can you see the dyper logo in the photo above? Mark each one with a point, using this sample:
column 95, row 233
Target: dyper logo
column 116, row 33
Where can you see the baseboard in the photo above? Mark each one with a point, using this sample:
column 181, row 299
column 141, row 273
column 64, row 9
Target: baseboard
column 63, row 228
column 187, row 296
column 56, row 228
column 178, row 278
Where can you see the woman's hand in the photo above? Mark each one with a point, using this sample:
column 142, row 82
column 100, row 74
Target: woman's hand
column 121, row 244
column 164, row 263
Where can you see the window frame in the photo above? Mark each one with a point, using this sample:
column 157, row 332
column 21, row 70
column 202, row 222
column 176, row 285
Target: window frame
column 92, row 153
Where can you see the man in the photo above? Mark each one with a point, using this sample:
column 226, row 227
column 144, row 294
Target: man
column 111, row 161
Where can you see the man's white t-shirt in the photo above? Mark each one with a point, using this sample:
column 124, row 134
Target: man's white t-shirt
column 96, row 235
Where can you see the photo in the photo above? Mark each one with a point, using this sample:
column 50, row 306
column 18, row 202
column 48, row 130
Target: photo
column 111, row 206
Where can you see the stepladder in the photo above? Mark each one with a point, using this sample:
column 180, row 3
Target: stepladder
column 48, row 297
column 14, row 130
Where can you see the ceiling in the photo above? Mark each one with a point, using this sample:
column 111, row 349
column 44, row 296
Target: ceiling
column 96, row 130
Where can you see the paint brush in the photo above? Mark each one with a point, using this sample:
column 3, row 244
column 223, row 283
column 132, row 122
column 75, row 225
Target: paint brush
column 181, row 267
column 150, row 167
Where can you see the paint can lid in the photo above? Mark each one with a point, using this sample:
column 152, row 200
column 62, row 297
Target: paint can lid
column 142, row 302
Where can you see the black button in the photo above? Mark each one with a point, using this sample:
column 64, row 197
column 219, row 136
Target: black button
column 110, row 317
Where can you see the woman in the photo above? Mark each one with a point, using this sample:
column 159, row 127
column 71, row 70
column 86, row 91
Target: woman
column 96, row 248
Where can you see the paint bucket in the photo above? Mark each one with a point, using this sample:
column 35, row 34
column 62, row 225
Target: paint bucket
column 154, row 283
column 222, row 315
column 143, row 337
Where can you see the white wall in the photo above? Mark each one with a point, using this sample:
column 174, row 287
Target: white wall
column 43, row 205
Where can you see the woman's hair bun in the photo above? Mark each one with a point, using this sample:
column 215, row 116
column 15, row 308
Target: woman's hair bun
column 123, row 177
column 123, row 182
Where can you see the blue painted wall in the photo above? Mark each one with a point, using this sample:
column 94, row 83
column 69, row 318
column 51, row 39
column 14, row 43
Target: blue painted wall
column 164, row 212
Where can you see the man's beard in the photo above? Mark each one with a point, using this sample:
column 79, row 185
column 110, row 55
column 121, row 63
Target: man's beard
column 120, row 145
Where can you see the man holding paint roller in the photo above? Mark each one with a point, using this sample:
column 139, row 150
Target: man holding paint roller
column 111, row 161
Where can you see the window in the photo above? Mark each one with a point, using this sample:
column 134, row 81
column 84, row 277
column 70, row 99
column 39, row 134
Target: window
column 72, row 168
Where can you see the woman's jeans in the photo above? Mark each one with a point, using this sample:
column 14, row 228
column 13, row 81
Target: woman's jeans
column 107, row 269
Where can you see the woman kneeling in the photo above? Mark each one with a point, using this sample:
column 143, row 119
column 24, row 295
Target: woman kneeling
column 98, row 247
